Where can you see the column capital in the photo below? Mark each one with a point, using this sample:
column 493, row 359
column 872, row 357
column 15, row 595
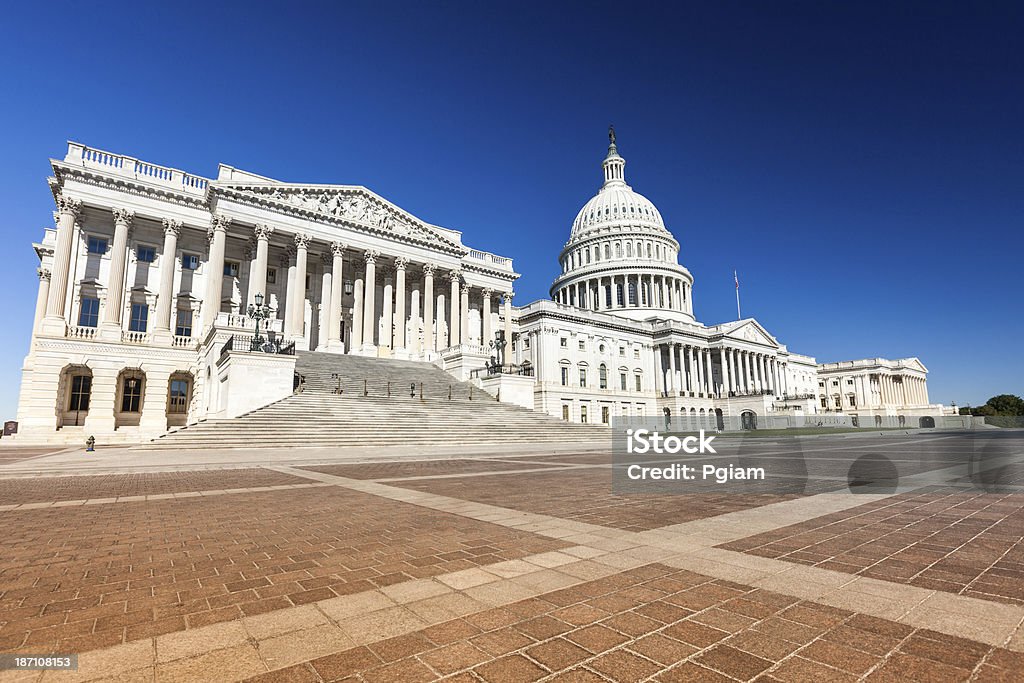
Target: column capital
column 172, row 226
column 302, row 240
column 508, row 295
column 126, row 216
column 70, row 205
column 262, row 231
column 455, row 275
column 401, row 263
column 370, row 256
column 428, row 269
column 219, row 223
column 338, row 248
column 43, row 273
column 487, row 292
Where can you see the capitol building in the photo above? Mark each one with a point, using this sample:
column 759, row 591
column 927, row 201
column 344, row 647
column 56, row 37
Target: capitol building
column 167, row 298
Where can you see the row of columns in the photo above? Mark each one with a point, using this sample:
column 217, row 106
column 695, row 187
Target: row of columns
column 875, row 391
column 740, row 372
column 365, row 333
column 909, row 391
column 54, row 282
column 652, row 291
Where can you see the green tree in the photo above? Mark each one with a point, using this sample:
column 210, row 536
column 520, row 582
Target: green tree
column 1006, row 404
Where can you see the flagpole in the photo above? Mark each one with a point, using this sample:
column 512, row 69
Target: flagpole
column 737, row 280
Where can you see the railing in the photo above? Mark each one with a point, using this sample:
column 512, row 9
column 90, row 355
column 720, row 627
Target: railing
column 141, row 170
column 81, row 332
column 500, row 261
column 183, row 342
column 254, row 344
column 493, row 370
column 395, row 390
column 129, row 337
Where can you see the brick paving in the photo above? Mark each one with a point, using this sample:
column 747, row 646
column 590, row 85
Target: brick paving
column 419, row 468
column 35, row 490
column 365, row 582
column 966, row 543
column 585, row 495
column 78, row 578
column 662, row 624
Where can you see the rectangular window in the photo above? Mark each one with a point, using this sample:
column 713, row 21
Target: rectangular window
column 89, row 313
column 81, row 387
column 622, row 381
column 564, row 342
column 145, row 254
column 636, row 354
column 622, row 351
column 271, row 276
column 183, row 322
column 583, row 377
column 565, row 376
column 583, row 346
column 231, row 268
column 178, row 403
column 583, row 413
column 565, row 413
column 190, row 261
column 131, row 394
column 639, row 383
column 139, row 318
column 605, row 414
column 97, row 245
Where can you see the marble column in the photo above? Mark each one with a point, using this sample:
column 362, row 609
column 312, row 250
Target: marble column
column 299, row 304
column 386, row 325
column 217, row 235
column 508, row 327
column 335, row 344
column 691, row 385
column 726, row 377
column 709, row 378
column 123, row 219
column 258, row 276
column 485, row 313
column 659, row 371
column 672, row 370
column 68, row 210
column 413, row 343
column 454, row 327
column 369, row 303
column 401, row 263
column 358, row 296
column 464, row 314
column 42, row 297
column 326, row 302
column 165, row 295
column 428, row 307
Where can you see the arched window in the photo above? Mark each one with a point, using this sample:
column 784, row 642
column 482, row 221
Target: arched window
column 629, row 249
column 603, row 376
column 607, row 251
column 618, row 250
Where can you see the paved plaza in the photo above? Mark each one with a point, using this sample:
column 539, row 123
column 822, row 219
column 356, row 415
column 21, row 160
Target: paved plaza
column 509, row 565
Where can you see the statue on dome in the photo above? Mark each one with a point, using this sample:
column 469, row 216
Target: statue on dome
column 611, row 134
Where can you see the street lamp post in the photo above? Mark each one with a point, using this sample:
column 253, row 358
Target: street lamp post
column 258, row 311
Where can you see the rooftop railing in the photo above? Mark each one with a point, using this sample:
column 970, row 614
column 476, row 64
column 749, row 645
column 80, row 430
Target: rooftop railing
column 120, row 164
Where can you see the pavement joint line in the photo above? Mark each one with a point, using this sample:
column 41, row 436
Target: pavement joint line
column 149, row 497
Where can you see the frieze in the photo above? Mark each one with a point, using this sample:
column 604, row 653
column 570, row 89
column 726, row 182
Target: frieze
column 347, row 205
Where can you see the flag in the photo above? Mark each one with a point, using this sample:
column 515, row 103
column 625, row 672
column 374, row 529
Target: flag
column 736, row 278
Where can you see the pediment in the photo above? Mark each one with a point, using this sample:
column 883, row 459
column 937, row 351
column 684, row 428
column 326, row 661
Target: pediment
column 751, row 331
column 352, row 205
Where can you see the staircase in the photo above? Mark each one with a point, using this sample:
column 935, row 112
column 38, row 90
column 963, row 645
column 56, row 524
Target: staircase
column 381, row 403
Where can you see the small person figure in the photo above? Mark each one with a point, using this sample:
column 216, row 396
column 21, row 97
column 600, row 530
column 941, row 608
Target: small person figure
column 90, row 444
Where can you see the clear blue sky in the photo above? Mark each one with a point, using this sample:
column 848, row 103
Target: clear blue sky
column 862, row 166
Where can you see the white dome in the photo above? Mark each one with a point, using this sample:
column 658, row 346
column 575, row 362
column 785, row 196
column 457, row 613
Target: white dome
column 617, row 204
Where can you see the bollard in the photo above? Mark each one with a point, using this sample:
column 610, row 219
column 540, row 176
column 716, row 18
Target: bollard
column 365, row 390
column 470, row 392
column 449, row 392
